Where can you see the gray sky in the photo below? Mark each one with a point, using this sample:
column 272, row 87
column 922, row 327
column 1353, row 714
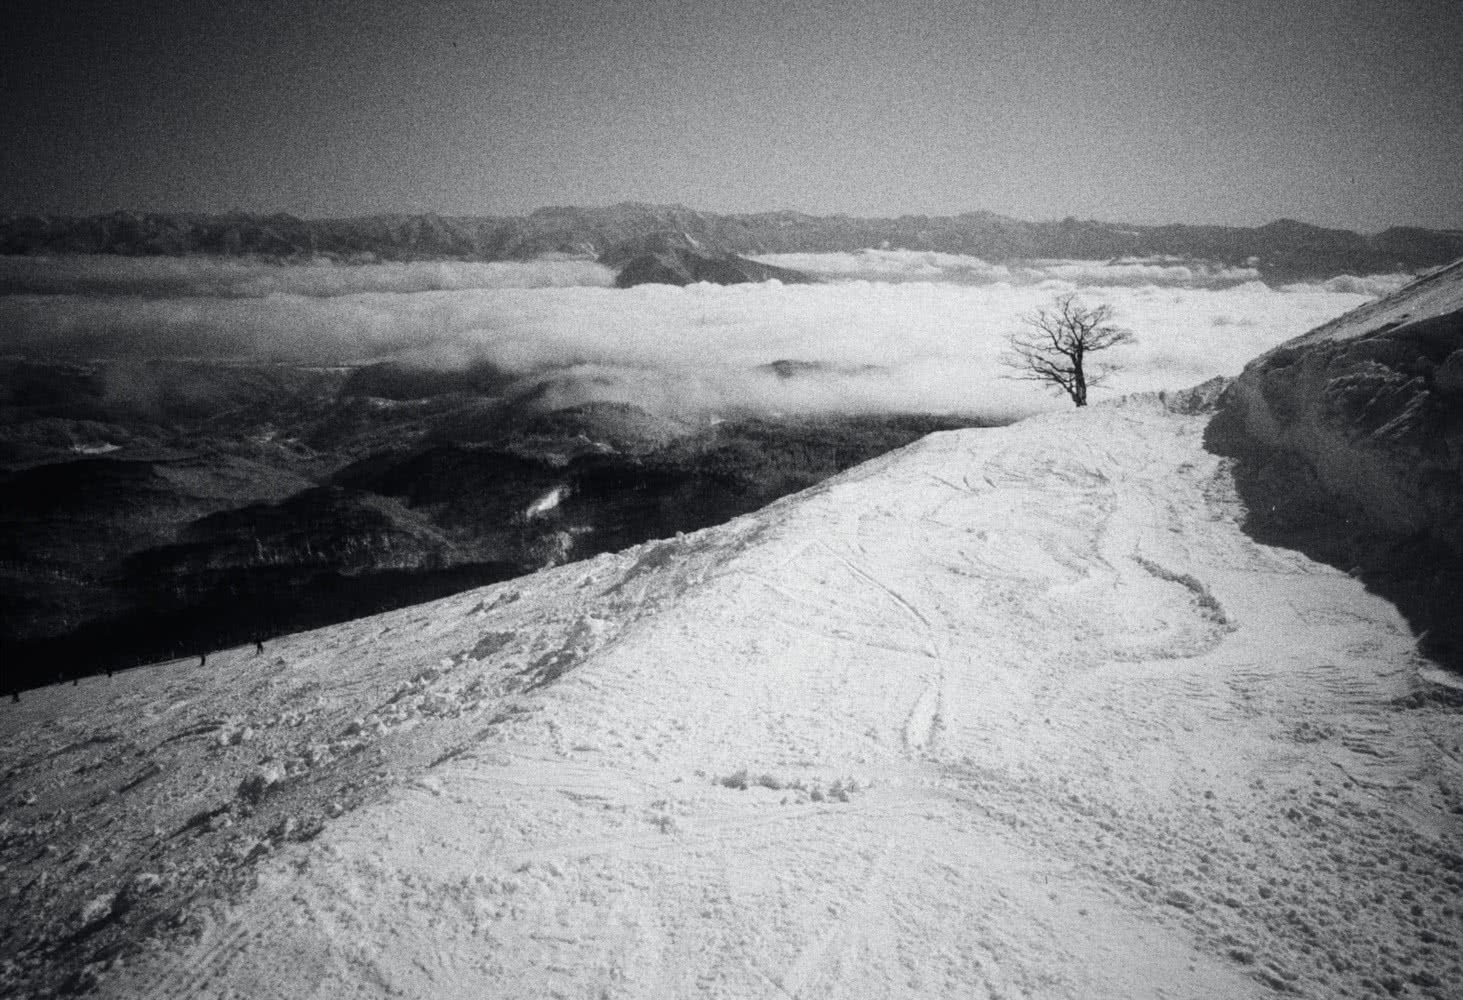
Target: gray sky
column 1337, row 112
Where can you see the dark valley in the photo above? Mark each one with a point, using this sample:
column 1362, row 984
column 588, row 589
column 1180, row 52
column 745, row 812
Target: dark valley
column 167, row 508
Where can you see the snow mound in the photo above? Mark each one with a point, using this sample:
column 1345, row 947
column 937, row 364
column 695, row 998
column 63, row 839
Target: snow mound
column 1363, row 417
column 1019, row 712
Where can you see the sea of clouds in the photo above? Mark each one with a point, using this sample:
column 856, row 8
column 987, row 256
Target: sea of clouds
column 910, row 265
column 892, row 330
column 216, row 277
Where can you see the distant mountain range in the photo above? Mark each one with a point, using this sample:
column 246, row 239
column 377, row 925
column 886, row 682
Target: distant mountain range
column 1281, row 251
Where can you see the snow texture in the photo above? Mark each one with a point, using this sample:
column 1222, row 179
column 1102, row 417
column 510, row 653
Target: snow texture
column 1373, row 402
column 1008, row 713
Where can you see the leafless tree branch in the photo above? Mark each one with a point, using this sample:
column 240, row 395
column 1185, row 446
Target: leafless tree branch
column 1054, row 349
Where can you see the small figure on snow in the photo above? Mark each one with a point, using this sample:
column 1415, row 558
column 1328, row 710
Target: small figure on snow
column 258, row 646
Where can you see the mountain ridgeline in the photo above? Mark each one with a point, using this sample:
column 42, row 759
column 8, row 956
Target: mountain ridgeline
column 1282, row 251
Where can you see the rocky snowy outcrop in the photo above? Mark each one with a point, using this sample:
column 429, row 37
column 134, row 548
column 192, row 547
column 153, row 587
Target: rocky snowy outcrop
column 1352, row 436
column 679, row 259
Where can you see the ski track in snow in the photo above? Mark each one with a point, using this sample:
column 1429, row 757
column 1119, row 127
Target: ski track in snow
column 1009, row 713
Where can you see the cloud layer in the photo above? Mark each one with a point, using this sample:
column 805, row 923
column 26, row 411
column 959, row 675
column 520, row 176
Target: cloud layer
column 928, row 345
column 913, row 265
column 212, row 277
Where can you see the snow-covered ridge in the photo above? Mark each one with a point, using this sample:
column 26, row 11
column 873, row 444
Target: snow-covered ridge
column 1017, row 712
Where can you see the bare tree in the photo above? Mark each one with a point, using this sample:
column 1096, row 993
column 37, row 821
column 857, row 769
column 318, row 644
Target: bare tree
column 1056, row 347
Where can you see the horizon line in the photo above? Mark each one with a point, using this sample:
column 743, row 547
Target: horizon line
column 9, row 213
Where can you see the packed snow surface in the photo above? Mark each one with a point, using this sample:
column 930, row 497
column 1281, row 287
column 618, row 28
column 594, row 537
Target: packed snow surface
column 1010, row 713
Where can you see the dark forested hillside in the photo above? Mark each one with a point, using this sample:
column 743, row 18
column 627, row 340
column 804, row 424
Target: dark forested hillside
column 269, row 498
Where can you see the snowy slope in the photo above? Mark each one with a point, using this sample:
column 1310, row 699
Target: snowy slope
column 1009, row 713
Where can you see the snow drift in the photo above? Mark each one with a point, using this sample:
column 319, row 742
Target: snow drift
column 1365, row 414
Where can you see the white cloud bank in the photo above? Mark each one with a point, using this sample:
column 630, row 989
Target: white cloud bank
column 213, row 277
column 919, row 265
column 922, row 345
column 1371, row 285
